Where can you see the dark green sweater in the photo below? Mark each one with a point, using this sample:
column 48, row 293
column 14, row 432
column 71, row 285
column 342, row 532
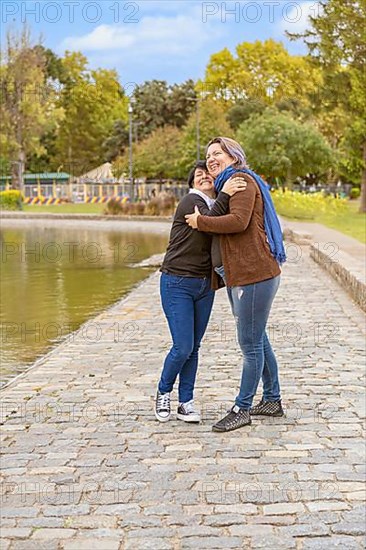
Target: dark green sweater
column 189, row 251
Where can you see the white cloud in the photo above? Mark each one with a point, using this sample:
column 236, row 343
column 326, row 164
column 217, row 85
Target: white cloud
column 295, row 15
column 104, row 37
column 181, row 35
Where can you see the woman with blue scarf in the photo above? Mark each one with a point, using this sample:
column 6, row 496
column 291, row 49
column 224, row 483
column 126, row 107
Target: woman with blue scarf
column 252, row 251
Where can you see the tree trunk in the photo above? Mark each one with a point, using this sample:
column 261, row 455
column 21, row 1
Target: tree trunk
column 17, row 173
column 289, row 179
column 14, row 175
column 21, row 170
column 363, row 180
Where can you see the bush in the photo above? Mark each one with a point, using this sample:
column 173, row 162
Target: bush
column 11, row 200
column 138, row 208
column 152, row 207
column 163, row 205
column 355, row 192
column 116, row 208
column 303, row 206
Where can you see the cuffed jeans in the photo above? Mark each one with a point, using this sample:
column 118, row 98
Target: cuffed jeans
column 251, row 305
column 187, row 303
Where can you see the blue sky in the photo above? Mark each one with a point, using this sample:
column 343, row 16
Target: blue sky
column 161, row 39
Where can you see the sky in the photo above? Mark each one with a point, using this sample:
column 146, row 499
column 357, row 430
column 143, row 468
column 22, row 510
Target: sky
column 156, row 39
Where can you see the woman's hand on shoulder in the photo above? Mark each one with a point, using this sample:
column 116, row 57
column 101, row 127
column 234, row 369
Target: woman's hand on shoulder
column 234, row 185
column 191, row 219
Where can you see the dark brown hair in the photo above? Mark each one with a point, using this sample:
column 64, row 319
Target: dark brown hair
column 199, row 164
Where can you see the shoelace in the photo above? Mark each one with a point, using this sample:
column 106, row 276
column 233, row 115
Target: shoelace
column 228, row 418
column 189, row 407
column 164, row 402
column 233, row 418
column 238, row 419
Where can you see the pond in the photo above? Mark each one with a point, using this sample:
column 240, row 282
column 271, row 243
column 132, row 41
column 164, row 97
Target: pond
column 57, row 274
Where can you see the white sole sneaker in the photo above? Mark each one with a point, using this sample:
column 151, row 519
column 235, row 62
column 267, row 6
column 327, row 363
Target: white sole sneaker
column 162, row 403
column 194, row 418
column 162, row 418
column 187, row 413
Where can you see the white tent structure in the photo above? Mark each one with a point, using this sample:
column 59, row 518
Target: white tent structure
column 101, row 174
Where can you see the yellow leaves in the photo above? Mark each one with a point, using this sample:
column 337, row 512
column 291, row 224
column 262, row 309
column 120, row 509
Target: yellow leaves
column 11, row 199
column 155, row 156
column 75, row 64
column 262, row 70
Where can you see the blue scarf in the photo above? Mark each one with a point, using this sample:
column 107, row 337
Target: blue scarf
column 271, row 223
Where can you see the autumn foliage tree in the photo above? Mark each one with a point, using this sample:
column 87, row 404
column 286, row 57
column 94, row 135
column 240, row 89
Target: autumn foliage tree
column 28, row 105
column 93, row 100
column 278, row 146
column 261, row 71
column 157, row 104
column 337, row 42
column 213, row 123
column 59, row 112
column 155, row 157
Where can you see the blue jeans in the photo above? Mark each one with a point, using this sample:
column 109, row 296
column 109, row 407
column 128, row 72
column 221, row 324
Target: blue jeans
column 251, row 305
column 187, row 303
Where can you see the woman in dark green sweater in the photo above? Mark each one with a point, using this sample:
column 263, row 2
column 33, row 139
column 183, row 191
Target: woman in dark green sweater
column 186, row 294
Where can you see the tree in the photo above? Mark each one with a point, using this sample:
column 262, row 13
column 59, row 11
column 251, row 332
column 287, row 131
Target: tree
column 262, row 71
column 170, row 152
column 150, row 100
column 242, row 110
column 54, row 68
column 155, row 157
column 280, row 147
column 181, row 103
column 28, row 107
column 212, row 123
column 157, row 105
column 116, row 143
column 93, row 101
column 56, row 78
column 337, row 41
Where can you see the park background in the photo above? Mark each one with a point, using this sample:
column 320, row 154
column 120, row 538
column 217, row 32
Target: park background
column 104, row 113
column 114, row 101
column 299, row 116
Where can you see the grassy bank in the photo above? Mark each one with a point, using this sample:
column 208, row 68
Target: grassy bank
column 78, row 208
column 351, row 223
column 340, row 214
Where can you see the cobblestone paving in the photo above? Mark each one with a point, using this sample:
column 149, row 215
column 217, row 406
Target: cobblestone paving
column 86, row 465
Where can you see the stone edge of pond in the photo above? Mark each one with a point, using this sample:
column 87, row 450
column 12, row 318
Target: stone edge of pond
column 95, row 217
column 66, row 338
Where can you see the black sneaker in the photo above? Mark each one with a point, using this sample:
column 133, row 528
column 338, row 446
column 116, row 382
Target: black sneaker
column 187, row 412
column 267, row 408
column 237, row 418
column 162, row 407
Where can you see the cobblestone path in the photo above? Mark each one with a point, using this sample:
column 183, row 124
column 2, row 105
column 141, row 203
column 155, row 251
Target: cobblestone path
column 86, row 465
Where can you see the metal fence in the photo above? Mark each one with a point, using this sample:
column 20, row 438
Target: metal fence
column 139, row 190
column 85, row 192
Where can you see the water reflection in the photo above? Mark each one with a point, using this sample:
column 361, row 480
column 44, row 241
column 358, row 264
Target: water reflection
column 55, row 278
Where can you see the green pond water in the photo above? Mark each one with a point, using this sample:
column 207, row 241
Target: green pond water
column 55, row 277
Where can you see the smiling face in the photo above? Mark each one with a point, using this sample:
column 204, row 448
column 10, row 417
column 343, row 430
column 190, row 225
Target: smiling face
column 203, row 181
column 217, row 160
